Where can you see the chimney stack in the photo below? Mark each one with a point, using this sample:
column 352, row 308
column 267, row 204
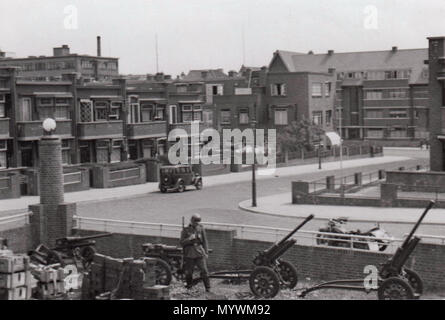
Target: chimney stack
column 394, row 49
column 99, row 49
column 330, row 52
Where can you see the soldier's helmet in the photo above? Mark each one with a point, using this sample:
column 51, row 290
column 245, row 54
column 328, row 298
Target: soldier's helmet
column 196, row 217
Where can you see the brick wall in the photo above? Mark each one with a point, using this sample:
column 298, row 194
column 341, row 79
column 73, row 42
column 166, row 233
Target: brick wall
column 19, row 239
column 314, row 262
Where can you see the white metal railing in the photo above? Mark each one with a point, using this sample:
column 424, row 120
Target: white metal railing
column 272, row 234
column 16, row 220
column 124, row 174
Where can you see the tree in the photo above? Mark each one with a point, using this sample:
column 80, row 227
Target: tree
column 298, row 135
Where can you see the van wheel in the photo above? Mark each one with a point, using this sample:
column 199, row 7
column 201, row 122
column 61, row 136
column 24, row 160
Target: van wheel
column 163, row 189
column 181, row 186
column 198, row 184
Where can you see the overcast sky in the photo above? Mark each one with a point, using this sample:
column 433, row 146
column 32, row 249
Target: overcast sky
column 199, row 34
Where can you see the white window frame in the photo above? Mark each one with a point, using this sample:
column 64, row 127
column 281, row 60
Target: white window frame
column 29, row 111
column 281, row 121
column 317, row 93
column 116, row 105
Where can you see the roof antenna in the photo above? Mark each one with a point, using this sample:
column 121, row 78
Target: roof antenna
column 244, row 46
column 157, row 54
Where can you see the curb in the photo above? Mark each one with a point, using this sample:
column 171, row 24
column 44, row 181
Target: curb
column 244, row 208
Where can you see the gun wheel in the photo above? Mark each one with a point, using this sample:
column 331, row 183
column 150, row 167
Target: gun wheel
column 288, row 274
column 395, row 289
column 181, row 186
column 163, row 272
column 264, row 282
column 414, row 280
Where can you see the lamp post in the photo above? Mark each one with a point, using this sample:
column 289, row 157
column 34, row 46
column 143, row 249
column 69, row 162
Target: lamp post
column 319, row 151
column 254, row 204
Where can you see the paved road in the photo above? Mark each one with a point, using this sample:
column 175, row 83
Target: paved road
column 220, row 203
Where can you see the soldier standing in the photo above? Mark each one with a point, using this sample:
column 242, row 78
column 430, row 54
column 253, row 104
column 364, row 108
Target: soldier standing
column 195, row 251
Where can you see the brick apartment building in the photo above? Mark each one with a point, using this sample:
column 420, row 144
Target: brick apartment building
column 379, row 95
column 436, row 65
column 63, row 61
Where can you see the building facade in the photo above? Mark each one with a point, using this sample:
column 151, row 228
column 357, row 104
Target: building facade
column 90, row 68
column 380, row 95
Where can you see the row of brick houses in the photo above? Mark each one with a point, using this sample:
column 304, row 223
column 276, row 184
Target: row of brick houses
column 381, row 95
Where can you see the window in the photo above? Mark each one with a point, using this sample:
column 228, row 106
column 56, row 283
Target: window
column 160, row 113
column 40, row 66
column 187, row 113
column 197, row 113
column 181, row 88
column 26, row 111
column 317, row 118
column 374, row 114
column 66, row 152
column 316, row 89
column 101, row 111
column 281, row 117
column 278, row 89
column 86, row 107
column 102, row 150
column 374, row 133
column 398, row 133
column 2, row 106
column 402, row 113
column 244, row 116
column 147, row 148
column 375, row 75
column 397, row 94
column 116, row 151
column 3, row 157
column 115, row 111
column 217, row 90
column 328, row 88
column 147, row 112
column 62, row 111
column 87, row 64
column 374, row 95
column 328, row 117
column 46, row 101
column 225, row 116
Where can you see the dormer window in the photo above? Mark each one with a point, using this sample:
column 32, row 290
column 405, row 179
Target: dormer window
column 278, row 89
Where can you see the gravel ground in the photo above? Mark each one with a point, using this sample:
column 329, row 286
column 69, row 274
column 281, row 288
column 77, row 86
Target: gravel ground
column 222, row 290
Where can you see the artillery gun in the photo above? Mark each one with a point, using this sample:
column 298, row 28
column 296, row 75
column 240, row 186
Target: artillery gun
column 68, row 250
column 395, row 282
column 271, row 271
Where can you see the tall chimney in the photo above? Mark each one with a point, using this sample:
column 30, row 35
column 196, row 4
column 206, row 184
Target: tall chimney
column 98, row 47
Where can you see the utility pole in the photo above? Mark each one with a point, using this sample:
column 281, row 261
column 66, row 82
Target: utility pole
column 157, row 54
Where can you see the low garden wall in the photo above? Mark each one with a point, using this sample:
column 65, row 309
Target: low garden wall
column 315, row 262
column 9, row 185
column 118, row 175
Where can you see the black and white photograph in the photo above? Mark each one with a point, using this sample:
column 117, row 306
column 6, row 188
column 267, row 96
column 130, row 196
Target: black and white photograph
column 219, row 157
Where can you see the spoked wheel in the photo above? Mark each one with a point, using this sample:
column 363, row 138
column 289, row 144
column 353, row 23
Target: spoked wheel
column 395, row 289
column 264, row 282
column 87, row 254
column 198, row 184
column 321, row 239
column 162, row 272
column 288, row 274
column 414, row 280
column 181, row 186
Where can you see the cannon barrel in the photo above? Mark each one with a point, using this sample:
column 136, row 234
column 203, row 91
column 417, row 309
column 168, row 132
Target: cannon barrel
column 309, row 218
column 80, row 238
column 408, row 238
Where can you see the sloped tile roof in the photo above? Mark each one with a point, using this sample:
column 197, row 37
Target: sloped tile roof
column 358, row 61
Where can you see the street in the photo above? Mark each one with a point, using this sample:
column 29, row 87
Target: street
column 219, row 204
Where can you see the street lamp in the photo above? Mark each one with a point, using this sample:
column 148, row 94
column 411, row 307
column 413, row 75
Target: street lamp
column 254, row 204
column 49, row 126
column 319, row 151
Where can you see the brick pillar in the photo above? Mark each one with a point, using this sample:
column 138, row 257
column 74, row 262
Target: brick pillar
column 388, row 195
column 52, row 218
column 330, row 183
column 300, row 190
column 358, row 178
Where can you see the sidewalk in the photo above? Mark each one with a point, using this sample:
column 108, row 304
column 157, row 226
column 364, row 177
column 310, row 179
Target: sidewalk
column 281, row 205
column 9, row 206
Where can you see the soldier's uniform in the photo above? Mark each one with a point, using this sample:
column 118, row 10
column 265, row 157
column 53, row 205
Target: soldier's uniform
column 195, row 252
